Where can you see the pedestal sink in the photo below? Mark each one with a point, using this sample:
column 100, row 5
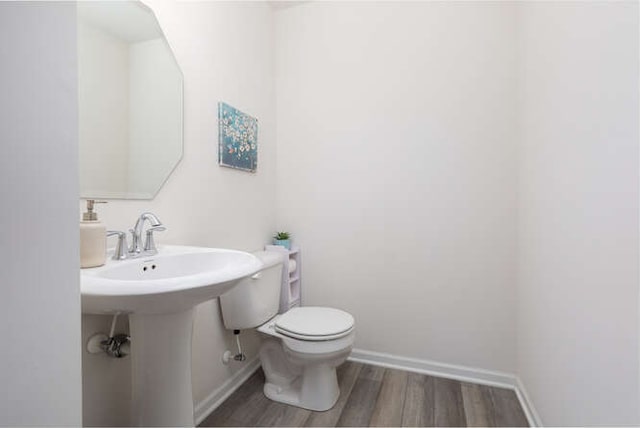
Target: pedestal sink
column 159, row 294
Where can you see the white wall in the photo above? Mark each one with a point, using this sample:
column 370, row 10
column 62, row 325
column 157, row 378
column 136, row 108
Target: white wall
column 225, row 52
column 396, row 171
column 39, row 285
column 578, row 212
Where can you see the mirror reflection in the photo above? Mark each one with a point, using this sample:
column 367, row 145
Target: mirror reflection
column 130, row 101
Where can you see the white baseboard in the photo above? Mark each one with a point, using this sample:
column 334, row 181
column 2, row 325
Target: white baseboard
column 451, row 371
column 527, row 404
column 213, row 400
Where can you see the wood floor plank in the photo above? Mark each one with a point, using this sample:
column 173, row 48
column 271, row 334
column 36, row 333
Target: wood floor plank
column 222, row 415
column 360, row 404
column 449, row 407
column 388, row 408
column 419, row 404
column 374, row 373
column 347, row 376
column 507, row 409
column 376, row 396
column 251, row 410
column 478, row 407
column 282, row 415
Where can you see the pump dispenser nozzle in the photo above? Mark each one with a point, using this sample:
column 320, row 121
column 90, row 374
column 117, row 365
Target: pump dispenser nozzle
column 91, row 215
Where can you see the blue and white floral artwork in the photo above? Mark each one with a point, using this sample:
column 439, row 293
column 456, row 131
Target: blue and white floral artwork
column 237, row 139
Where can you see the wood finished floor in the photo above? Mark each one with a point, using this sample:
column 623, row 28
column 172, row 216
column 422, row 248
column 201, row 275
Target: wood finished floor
column 375, row 396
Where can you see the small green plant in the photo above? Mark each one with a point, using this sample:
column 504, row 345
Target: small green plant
column 282, row 236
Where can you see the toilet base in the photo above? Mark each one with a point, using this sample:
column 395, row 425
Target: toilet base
column 312, row 386
column 316, row 389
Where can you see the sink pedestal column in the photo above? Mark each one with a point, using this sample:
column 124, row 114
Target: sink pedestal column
column 161, row 369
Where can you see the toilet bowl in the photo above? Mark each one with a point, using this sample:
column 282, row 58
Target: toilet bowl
column 308, row 378
column 301, row 348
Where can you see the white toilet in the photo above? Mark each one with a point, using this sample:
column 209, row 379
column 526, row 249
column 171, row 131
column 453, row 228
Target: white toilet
column 303, row 346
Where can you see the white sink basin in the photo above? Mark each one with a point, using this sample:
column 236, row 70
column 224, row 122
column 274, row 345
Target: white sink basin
column 159, row 294
column 176, row 278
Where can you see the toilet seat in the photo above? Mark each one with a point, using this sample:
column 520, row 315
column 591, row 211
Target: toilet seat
column 313, row 323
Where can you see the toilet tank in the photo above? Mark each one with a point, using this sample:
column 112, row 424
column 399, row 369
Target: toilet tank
column 254, row 300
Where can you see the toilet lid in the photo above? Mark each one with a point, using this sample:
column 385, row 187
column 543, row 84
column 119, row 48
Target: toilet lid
column 315, row 323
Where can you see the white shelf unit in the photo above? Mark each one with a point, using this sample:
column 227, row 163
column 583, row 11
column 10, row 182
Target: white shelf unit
column 290, row 294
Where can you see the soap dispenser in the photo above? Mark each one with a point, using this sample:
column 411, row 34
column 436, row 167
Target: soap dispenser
column 93, row 238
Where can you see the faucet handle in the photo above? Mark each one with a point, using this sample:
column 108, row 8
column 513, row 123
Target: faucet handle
column 120, row 253
column 149, row 243
column 134, row 242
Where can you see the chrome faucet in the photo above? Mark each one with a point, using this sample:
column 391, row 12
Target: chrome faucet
column 137, row 249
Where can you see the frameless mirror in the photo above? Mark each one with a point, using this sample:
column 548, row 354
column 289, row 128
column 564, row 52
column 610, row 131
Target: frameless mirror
column 130, row 101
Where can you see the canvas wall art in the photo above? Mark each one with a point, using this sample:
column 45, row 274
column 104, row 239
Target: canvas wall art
column 237, row 139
